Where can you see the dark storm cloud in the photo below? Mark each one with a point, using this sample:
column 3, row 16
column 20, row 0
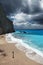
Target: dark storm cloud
column 28, row 10
column 11, row 5
column 25, row 10
column 31, row 6
column 38, row 19
column 16, row 5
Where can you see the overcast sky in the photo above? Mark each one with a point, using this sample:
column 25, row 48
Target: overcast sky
column 25, row 14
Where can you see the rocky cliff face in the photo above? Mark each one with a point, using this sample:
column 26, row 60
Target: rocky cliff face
column 6, row 26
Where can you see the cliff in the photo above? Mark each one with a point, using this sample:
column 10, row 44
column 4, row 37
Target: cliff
column 6, row 26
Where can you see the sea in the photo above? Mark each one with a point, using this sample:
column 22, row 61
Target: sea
column 31, row 37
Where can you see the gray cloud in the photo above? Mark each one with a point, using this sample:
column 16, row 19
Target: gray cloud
column 31, row 6
column 38, row 19
column 26, row 6
column 23, row 21
column 27, row 14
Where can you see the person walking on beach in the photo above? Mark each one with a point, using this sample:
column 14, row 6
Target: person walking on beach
column 13, row 54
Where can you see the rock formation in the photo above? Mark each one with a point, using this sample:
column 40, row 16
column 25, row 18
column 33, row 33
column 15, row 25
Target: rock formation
column 6, row 26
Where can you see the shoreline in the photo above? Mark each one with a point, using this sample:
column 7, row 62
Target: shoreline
column 25, row 47
column 11, row 39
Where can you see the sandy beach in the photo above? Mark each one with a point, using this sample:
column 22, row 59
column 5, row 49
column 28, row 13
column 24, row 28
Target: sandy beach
column 19, row 57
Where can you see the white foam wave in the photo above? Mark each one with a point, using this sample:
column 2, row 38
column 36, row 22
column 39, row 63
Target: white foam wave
column 11, row 39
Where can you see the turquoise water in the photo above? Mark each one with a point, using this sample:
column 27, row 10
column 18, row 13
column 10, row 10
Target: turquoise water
column 34, row 39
